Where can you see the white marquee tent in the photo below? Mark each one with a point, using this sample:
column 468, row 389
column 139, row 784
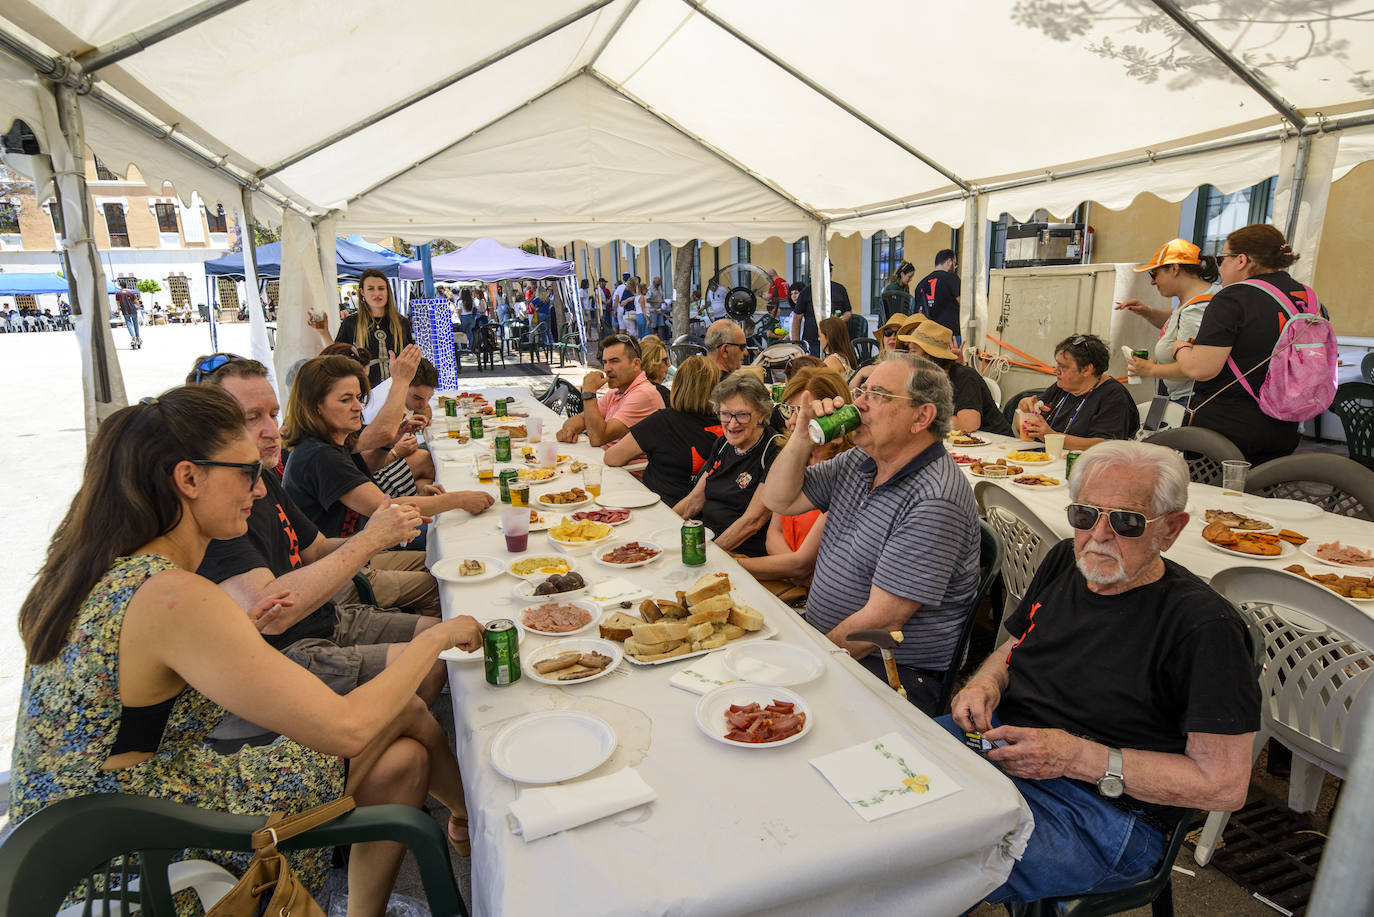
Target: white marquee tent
column 678, row 119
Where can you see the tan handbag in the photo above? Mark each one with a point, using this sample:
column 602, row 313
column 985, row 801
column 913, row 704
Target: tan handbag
column 268, row 874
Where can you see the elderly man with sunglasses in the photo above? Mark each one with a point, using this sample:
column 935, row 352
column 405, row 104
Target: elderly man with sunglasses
column 632, row 397
column 901, row 541
column 1128, row 694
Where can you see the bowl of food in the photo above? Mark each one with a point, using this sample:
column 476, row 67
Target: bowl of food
column 579, row 537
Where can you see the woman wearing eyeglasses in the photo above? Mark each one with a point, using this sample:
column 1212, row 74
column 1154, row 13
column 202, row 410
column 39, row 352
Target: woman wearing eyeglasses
column 726, row 493
column 793, row 541
column 1237, row 335
column 378, row 326
column 1085, row 404
column 675, row 439
column 1178, row 269
column 132, row 659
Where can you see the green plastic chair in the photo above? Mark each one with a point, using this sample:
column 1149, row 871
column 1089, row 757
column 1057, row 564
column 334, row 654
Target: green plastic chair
column 990, row 563
column 75, row 840
column 1157, row 891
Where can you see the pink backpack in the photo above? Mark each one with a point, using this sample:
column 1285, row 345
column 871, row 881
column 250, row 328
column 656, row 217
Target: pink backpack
column 1301, row 382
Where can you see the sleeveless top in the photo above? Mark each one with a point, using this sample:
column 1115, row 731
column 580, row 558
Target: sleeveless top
column 70, row 712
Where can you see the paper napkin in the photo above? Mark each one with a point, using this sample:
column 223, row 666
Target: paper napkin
column 706, row 673
column 541, row 811
column 884, row 775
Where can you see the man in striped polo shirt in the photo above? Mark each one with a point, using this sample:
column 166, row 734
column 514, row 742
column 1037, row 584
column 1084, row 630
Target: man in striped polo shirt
column 900, row 545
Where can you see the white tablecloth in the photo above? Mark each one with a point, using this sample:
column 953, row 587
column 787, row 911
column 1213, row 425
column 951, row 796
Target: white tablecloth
column 1190, row 550
column 734, row 830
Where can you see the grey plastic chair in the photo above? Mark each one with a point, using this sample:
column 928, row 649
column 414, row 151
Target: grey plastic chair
column 1367, row 367
column 1333, row 482
column 1203, row 449
column 1354, row 405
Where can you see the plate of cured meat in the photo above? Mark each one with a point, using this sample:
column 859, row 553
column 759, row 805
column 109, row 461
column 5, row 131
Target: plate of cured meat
column 753, row 716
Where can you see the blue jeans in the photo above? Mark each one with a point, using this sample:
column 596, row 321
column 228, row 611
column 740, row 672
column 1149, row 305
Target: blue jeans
column 131, row 323
column 641, row 324
column 1082, row 844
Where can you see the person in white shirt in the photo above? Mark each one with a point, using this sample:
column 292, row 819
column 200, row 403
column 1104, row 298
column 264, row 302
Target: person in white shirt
column 715, row 300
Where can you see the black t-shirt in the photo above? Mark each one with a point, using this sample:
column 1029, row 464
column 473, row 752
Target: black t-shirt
column 277, row 533
column 938, row 296
column 1247, row 320
column 348, row 328
column 676, row 445
column 317, row 476
column 971, row 393
column 730, row 485
column 807, row 310
column 1138, row 670
column 1107, row 411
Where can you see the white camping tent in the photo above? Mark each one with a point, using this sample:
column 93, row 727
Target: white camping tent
column 680, row 119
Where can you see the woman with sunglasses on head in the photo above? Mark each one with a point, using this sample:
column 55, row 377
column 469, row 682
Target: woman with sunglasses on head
column 726, row 493
column 377, row 326
column 132, row 659
column 677, row 438
column 836, row 351
column 793, row 541
column 1085, row 404
column 1237, row 335
column 1179, row 269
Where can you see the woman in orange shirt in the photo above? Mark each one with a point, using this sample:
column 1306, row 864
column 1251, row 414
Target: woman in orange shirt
column 794, row 540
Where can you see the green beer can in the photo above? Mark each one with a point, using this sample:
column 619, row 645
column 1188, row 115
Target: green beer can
column 693, row 543
column 1069, row 459
column 451, row 407
column 1141, row 354
column 501, row 651
column 508, row 477
column 777, row 389
column 502, row 445
column 828, row 427
column 475, row 425
column 501, row 409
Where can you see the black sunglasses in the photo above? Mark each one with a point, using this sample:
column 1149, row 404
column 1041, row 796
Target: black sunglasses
column 253, row 470
column 1126, row 523
column 211, row 364
column 627, row 341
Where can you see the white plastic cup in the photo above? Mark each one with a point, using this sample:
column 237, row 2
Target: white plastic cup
column 515, row 525
column 1233, row 477
column 1054, row 445
column 591, row 475
column 548, row 454
column 534, row 429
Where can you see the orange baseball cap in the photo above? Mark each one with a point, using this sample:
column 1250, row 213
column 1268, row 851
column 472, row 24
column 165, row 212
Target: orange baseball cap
column 1179, row 251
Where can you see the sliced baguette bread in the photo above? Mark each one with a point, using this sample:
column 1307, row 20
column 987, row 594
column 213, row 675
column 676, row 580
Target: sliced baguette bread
column 746, row 617
column 672, row 609
column 715, row 609
column 679, row 650
column 731, row 631
column 714, row 641
column 661, row 631
column 708, row 587
column 618, row 626
column 700, row 631
column 648, row 609
column 635, row 648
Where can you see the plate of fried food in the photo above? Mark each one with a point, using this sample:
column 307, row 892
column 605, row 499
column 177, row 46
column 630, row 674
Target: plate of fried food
column 571, row 662
column 564, row 499
column 1032, row 456
column 1236, row 521
column 1252, row 544
column 473, row 568
column 967, row 440
column 538, row 475
column 1354, row 588
column 579, row 537
column 1000, row 468
column 1341, row 555
column 753, row 716
column 1041, row 481
column 536, row 568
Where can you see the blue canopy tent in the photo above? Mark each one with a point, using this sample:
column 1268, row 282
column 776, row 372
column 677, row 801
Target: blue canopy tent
column 359, row 241
column 351, row 260
column 37, row 284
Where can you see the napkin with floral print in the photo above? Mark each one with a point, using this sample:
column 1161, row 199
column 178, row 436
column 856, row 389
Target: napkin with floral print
column 884, row 775
column 706, row 673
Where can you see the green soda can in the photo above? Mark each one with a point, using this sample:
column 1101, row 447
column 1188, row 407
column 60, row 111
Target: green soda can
column 451, row 407
column 1141, row 354
column 475, row 425
column 501, row 651
column 502, row 444
column 1069, row 459
column 508, row 477
column 501, row 408
column 776, row 391
column 827, row 427
column 693, row 543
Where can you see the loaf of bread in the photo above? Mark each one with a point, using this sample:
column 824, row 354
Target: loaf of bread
column 746, row 617
column 708, row 587
column 618, row 626
column 661, row 631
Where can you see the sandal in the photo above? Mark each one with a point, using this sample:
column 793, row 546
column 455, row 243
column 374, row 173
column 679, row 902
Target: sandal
column 463, row 846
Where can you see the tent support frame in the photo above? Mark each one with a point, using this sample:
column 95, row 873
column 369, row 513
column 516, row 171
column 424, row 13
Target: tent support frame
column 1299, row 182
column 825, row 93
column 129, row 45
column 434, row 88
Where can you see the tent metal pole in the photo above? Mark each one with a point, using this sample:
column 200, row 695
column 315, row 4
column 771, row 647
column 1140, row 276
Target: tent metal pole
column 128, row 45
column 825, row 93
column 722, row 156
column 1299, row 182
column 434, row 88
column 426, row 269
column 1249, row 77
column 468, row 136
column 615, row 30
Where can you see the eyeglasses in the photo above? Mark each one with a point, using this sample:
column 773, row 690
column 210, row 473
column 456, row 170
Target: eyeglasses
column 252, row 470
column 739, row 417
column 1126, row 523
column 209, row 365
column 1222, row 256
column 788, row 411
column 867, row 392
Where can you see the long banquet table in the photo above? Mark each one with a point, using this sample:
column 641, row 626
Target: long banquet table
column 1190, row 550
column 733, row 830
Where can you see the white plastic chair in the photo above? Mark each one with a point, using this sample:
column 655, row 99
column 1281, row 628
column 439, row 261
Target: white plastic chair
column 1313, row 687
column 210, row 882
column 1025, row 540
column 993, row 387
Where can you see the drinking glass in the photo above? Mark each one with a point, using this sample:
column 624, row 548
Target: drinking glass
column 1233, row 478
column 515, row 525
column 591, row 479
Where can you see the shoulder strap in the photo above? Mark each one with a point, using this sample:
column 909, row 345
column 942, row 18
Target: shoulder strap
column 1311, row 306
column 279, row 829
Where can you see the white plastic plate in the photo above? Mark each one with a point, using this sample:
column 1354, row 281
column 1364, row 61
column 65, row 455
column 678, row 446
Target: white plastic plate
column 581, row 645
column 447, row 569
column 772, row 663
column 552, row 746
column 712, row 707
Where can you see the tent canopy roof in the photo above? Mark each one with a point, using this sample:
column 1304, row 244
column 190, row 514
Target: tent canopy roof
column 16, row 284
column 488, row 260
column 642, row 119
column 351, row 259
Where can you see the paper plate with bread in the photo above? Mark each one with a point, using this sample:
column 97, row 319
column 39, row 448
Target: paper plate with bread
column 704, row 618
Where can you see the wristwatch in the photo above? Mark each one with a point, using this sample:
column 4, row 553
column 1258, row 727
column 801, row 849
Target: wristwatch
column 1112, row 784
column 589, row 396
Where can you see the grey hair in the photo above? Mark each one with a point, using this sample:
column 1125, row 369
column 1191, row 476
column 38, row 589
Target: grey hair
column 716, row 337
column 1165, row 466
column 929, row 384
column 744, row 385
